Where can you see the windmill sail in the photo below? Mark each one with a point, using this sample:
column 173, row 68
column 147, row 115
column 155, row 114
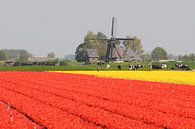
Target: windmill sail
column 114, row 27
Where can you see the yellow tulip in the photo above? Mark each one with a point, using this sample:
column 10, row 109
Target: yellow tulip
column 176, row 77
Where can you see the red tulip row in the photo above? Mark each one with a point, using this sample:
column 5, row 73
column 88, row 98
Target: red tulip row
column 44, row 114
column 11, row 118
column 105, row 104
column 181, row 107
column 91, row 114
column 98, row 102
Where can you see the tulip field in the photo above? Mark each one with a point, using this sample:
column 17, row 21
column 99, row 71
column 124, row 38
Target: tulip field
column 173, row 77
column 97, row 100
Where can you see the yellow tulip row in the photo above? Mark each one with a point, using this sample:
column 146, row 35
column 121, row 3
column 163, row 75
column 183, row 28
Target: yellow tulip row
column 175, row 77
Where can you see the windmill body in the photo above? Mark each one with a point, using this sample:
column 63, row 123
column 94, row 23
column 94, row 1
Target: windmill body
column 112, row 51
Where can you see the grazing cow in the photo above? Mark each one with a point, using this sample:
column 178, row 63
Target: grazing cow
column 139, row 66
column 132, row 67
column 135, row 67
column 162, row 66
column 182, row 66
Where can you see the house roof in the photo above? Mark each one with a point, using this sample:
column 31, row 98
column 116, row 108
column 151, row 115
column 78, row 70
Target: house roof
column 92, row 53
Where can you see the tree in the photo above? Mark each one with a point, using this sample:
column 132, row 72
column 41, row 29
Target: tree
column 80, row 53
column 51, row 55
column 15, row 53
column 102, row 47
column 187, row 58
column 146, row 57
column 180, row 57
column 23, row 56
column 3, row 55
column 159, row 53
column 90, row 42
column 135, row 45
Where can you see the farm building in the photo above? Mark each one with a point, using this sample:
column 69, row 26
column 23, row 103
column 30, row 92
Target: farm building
column 39, row 60
column 91, row 56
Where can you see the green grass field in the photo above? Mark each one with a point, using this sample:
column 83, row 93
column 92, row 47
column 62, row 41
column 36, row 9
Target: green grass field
column 79, row 66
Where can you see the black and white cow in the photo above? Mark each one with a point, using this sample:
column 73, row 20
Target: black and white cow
column 135, row 67
column 139, row 66
column 182, row 66
column 131, row 67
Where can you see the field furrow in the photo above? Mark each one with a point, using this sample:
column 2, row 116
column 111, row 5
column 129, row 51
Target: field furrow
column 103, row 118
column 11, row 118
column 43, row 113
column 82, row 101
column 150, row 100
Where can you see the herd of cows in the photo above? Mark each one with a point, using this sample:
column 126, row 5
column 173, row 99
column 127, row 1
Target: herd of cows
column 160, row 66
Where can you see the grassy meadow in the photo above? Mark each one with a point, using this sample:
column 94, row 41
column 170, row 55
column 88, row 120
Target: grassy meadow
column 75, row 66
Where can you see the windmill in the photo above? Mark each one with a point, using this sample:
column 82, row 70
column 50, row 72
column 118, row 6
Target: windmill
column 112, row 52
column 111, row 46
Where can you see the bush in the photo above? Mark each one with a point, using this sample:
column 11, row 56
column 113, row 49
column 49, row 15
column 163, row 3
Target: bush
column 2, row 63
column 64, row 62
